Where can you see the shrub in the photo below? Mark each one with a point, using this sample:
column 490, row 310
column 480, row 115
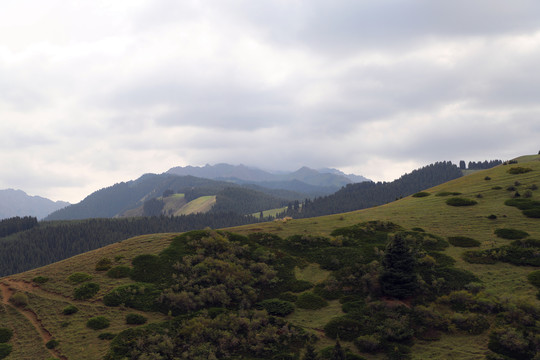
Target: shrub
column 147, row 268
column 79, row 277
column 106, row 336
column 51, row 344
column 70, row 309
column 472, row 323
column 118, row 272
column 136, row 296
column 368, row 343
column 460, row 202
column 532, row 213
column 103, row 264
column 418, row 229
column 496, row 188
column 311, row 301
column 40, row 279
column 487, row 178
column 85, row 291
column 98, row 323
column 511, row 188
column 534, row 278
column 527, row 194
column 448, row 193
column 299, row 285
column 135, row 319
column 288, row 296
column 510, row 342
column 344, row 328
column 5, row 334
column 479, row 257
column 19, row 299
column 492, row 217
column 421, row 194
column 463, row 241
column 518, row 170
column 511, row 234
column 5, row 350
column 277, row 307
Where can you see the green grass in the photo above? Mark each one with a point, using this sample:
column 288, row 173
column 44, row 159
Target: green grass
column 312, row 273
column 271, row 212
column 199, row 205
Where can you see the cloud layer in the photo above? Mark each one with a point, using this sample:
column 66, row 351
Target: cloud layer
column 94, row 93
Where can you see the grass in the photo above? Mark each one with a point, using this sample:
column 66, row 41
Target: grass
column 312, row 273
column 200, row 205
column 271, row 212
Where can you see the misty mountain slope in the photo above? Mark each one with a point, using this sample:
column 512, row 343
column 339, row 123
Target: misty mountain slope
column 18, row 203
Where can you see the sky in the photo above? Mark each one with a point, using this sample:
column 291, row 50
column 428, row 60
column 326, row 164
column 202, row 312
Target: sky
column 97, row 92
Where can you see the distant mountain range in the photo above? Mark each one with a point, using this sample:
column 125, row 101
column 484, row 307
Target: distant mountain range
column 317, row 182
column 18, row 203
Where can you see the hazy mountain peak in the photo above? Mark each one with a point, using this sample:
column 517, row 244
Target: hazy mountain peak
column 14, row 202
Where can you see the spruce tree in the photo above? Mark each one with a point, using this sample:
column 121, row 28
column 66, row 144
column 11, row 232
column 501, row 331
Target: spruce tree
column 310, row 354
column 338, row 353
column 398, row 277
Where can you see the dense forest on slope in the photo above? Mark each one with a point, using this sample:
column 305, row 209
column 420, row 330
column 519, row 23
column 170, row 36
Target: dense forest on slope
column 368, row 194
column 53, row 241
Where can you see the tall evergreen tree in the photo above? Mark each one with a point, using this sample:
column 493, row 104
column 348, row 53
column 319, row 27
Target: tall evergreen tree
column 311, row 353
column 338, row 353
column 398, row 278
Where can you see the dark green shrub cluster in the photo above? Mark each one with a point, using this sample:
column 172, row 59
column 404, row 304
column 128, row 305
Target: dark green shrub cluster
column 85, row 291
column 421, row 194
column 309, row 300
column 492, row 217
column 463, row 241
column 496, row 188
column 277, row 307
column 40, row 279
column 5, row 350
column 106, row 336
column 137, row 296
column 70, row 309
column 487, row 178
column 514, row 253
column 448, row 193
column 528, row 207
column 343, row 327
column 51, row 344
column 288, row 296
column 5, row 334
column 511, row 234
column 472, row 323
column 460, row 202
column 518, row 170
column 79, row 277
column 118, row 272
column 298, row 285
column 104, row 264
column 135, row 319
column 534, row 278
column 368, row 343
column 147, row 268
column 98, row 323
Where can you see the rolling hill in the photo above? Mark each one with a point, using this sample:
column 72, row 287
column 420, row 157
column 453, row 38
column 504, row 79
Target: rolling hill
column 321, row 278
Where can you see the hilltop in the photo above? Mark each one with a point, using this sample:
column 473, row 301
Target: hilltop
column 324, row 277
column 18, row 203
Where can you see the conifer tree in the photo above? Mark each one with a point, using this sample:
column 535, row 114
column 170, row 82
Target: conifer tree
column 311, row 353
column 338, row 353
column 398, row 278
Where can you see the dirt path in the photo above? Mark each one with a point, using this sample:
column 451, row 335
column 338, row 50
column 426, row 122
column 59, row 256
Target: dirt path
column 7, row 291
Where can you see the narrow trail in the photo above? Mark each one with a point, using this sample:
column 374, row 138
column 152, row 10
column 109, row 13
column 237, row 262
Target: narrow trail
column 7, row 291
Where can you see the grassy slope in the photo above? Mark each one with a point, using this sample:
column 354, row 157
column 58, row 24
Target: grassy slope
column 431, row 213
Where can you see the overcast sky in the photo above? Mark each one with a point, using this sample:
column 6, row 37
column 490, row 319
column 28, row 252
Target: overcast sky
column 97, row 92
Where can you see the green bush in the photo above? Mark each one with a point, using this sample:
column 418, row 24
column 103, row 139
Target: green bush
column 135, row 319
column 147, row 268
column 118, row 272
column 137, row 296
column 19, row 299
column 479, row 257
column 288, row 296
column 106, row 336
column 98, row 323
column 534, row 278
column 70, row 309
column 5, row 350
column 463, row 241
column 344, row 328
column 368, row 343
column 460, row 202
column 511, row 234
column 85, row 291
column 40, row 279
column 496, row 188
column 510, row 342
column 448, row 193
column 309, row 300
column 5, row 334
column 532, row 213
column 518, row 170
column 492, row 217
column 79, row 277
column 421, row 194
column 277, row 307
column 299, row 285
column 103, row 264
column 51, row 344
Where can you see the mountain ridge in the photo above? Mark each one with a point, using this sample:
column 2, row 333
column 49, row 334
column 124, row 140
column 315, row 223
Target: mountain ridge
column 15, row 202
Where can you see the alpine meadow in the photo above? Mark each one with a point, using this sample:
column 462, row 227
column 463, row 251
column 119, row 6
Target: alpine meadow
column 448, row 272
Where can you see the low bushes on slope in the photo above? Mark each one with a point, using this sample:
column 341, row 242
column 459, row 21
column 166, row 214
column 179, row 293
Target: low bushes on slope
column 460, row 202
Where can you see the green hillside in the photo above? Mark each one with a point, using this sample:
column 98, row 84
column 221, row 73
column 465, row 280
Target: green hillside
column 320, row 277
